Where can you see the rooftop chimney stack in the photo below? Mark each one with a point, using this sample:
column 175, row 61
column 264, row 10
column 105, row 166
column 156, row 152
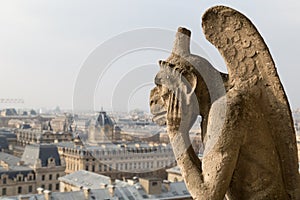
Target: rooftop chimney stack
column 47, row 194
column 40, row 190
column 86, row 192
column 111, row 190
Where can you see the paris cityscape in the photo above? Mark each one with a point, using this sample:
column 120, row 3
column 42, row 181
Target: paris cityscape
column 96, row 153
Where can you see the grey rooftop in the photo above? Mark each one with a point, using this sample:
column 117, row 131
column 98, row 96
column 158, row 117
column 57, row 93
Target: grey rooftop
column 86, row 179
column 40, row 151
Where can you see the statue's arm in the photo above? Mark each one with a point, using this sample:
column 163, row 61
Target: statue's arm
column 210, row 179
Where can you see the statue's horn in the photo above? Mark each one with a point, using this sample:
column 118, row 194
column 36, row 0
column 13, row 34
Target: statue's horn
column 181, row 45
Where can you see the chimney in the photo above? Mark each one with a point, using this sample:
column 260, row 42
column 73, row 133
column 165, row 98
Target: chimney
column 151, row 185
column 23, row 197
column 111, row 190
column 40, row 190
column 47, row 194
column 86, row 192
column 167, row 183
column 20, row 163
column 112, row 181
column 135, row 179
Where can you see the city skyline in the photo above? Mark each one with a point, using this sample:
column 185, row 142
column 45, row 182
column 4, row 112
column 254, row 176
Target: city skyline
column 45, row 45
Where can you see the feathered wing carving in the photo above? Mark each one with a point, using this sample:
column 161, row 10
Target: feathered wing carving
column 252, row 71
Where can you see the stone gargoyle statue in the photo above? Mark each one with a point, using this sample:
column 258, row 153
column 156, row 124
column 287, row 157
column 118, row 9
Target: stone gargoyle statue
column 247, row 127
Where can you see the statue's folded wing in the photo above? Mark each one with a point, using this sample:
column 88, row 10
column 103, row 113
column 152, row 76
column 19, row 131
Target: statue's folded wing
column 252, row 70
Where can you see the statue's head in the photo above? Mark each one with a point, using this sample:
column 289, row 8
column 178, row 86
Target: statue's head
column 186, row 75
column 175, row 77
column 178, row 76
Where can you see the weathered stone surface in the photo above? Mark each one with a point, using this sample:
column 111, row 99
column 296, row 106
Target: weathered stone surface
column 247, row 128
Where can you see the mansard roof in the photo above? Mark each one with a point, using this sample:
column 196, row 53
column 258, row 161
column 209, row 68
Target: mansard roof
column 40, row 151
column 3, row 142
column 14, row 167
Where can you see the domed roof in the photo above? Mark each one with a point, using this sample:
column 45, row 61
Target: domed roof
column 103, row 119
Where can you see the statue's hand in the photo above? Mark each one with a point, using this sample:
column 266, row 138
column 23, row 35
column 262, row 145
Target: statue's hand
column 173, row 114
column 180, row 115
column 179, row 122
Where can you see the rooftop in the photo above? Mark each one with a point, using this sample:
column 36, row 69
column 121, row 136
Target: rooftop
column 40, row 151
column 175, row 170
column 3, row 142
column 122, row 191
column 86, row 179
column 9, row 159
column 7, row 133
column 116, row 146
column 99, row 194
column 13, row 165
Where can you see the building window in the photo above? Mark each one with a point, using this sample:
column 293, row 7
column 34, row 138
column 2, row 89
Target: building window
column 30, row 188
column 57, row 186
column 93, row 168
column 87, row 168
column 43, row 186
column 50, row 187
column 3, row 191
column 20, row 178
column 154, row 183
column 4, row 180
column 19, row 190
column 57, row 176
column 50, row 176
column 43, row 177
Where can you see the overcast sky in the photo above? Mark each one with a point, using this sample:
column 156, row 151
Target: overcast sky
column 44, row 44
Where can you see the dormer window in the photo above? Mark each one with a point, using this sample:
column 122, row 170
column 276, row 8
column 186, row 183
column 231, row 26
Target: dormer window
column 51, row 161
column 19, row 177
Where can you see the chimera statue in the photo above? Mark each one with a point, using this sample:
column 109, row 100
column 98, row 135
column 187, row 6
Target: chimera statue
column 247, row 127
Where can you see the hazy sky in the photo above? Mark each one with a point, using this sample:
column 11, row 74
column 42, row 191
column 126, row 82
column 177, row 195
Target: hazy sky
column 43, row 44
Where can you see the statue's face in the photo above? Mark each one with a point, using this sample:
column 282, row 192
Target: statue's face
column 159, row 104
column 168, row 80
column 159, row 95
